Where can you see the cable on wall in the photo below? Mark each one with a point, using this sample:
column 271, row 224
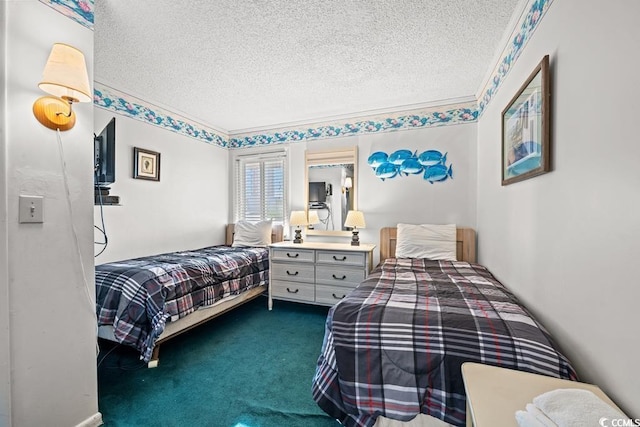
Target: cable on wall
column 92, row 304
column 102, row 230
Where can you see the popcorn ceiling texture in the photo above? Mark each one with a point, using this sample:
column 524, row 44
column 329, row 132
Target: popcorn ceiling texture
column 238, row 65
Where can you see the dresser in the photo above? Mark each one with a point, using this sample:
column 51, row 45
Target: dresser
column 315, row 272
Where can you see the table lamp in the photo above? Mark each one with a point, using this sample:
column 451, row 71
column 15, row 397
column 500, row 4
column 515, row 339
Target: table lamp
column 298, row 218
column 313, row 218
column 355, row 220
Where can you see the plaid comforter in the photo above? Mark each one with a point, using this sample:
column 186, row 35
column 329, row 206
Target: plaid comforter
column 138, row 296
column 395, row 345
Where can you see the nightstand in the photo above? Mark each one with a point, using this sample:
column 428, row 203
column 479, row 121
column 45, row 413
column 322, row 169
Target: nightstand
column 495, row 394
column 316, row 273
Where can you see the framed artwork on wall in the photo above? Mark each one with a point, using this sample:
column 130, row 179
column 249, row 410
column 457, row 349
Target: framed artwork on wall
column 526, row 130
column 146, row 164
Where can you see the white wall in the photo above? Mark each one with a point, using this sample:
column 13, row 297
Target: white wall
column 5, row 361
column 52, row 320
column 402, row 199
column 566, row 242
column 186, row 209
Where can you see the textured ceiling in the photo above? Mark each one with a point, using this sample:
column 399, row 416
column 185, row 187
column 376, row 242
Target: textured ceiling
column 243, row 64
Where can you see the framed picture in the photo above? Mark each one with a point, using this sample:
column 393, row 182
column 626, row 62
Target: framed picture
column 146, row 164
column 525, row 128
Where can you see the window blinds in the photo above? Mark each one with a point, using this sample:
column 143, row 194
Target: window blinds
column 260, row 187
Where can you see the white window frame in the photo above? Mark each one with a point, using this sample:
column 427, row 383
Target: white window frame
column 262, row 158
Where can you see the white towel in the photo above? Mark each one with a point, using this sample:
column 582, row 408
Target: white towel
column 527, row 419
column 540, row 416
column 575, row 408
column 533, row 417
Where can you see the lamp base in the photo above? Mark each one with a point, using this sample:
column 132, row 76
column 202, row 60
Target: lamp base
column 355, row 240
column 297, row 236
column 52, row 112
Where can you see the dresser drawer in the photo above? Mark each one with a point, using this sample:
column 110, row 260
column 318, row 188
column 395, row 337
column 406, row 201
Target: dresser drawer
column 329, row 275
column 296, row 272
column 293, row 290
column 340, row 258
column 330, row 295
column 297, row 255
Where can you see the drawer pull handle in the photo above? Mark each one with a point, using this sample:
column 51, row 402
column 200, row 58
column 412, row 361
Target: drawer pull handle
column 292, row 256
column 344, row 258
column 339, row 278
column 292, row 274
column 337, row 297
column 292, row 292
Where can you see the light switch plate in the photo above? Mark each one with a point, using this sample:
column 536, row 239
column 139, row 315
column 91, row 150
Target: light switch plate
column 31, row 209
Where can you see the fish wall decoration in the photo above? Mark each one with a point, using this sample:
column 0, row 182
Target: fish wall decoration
column 431, row 164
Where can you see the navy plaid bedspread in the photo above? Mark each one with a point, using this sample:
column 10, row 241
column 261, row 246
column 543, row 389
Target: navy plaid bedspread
column 395, row 345
column 138, row 296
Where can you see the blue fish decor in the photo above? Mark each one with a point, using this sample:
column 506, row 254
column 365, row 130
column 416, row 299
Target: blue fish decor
column 386, row 170
column 432, row 157
column 376, row 159
column 437, row 173
column 397, row 157
column 432, row 164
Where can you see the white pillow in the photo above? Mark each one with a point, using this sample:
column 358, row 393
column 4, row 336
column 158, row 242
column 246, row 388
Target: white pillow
column 435, row 242
column 252, row 233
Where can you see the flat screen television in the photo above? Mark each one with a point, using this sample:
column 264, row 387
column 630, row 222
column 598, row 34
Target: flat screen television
column 104, row 146
column 317, row 192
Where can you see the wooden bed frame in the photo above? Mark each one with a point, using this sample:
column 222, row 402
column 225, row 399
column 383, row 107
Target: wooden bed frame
column 205, row 314
column 465, row 243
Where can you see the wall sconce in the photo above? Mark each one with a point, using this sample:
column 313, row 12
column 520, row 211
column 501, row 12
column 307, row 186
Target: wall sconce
column 348, row 183
column 355, row 219
column 298, row 218
column 65, row 76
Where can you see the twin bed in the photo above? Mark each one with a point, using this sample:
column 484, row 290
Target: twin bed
column 395, row 345
column 145, row 301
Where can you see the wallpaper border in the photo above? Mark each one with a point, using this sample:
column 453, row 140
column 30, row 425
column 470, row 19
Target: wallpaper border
column 114, row 100
column 413, row 119
column 80, row 11
column 519, row 37
column 122, row 103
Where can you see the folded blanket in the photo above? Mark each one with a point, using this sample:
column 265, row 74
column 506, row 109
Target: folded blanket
column 575, row 408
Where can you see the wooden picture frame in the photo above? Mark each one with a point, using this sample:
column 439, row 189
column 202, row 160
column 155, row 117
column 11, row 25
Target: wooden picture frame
column 526, row 130
column 146, row 164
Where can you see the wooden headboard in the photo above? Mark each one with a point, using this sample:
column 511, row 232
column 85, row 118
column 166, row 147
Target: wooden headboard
column 277, row 234
column 465, row 243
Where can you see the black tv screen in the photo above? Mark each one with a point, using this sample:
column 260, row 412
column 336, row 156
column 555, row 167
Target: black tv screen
column 105, row 155
column 317, row 192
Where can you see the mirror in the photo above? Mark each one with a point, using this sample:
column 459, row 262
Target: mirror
column 330, row 183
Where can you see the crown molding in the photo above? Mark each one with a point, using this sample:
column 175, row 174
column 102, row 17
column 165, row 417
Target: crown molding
column 525, row 26
column 117, row 101
column 352, row 116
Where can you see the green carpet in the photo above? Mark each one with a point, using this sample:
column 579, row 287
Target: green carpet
column 250, row 367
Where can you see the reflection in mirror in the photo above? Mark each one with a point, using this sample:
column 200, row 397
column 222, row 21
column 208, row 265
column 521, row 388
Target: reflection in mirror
column 331, row 190
column 330, row 195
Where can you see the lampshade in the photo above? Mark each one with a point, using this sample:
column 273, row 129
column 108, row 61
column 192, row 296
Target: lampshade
column 313, row 217
column 65, row 74
column 355, row 219
column 348, row 182
column 65, row 77
column 298, row 218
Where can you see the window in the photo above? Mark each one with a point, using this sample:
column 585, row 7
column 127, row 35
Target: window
column 260, row 187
